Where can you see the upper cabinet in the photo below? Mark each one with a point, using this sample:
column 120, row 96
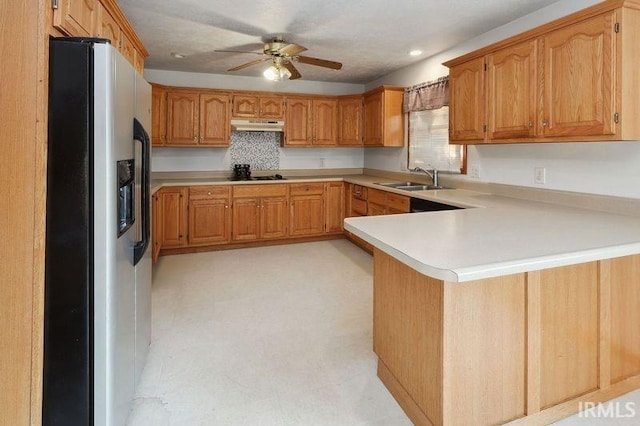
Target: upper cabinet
column 297, row 131
column 197, row 119
column 103, row 19
column 311, row 121
column 350, row 121
column 383, row 117
column 574, row 79
column 158, row 115
column 257, row 106
column 324, row 121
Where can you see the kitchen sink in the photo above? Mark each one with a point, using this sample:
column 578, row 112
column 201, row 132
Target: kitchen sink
column 411, row 186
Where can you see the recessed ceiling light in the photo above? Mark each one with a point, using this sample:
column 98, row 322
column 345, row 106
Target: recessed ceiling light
column 415, row 53
column 177, row 55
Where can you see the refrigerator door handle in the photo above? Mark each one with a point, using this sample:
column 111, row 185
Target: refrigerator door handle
column 141, row 135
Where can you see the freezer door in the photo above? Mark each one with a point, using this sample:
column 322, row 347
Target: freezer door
column 114, row 298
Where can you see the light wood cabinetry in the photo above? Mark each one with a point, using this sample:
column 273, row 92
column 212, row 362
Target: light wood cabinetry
column 334, row 207
column 570, row 80
column 76, row 17
column 350, row 121
column 324, row 121
column 103, row 19
column 307, row 213
column 174, row 216
column 158, row 115
column 197, row 119
column 297, row 124
column 258, row 106
column 384, row 202
column 260, row 212
column 383, row 118
column 209, row 215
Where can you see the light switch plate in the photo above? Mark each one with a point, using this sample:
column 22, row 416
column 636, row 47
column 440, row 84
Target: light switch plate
column 539, row 175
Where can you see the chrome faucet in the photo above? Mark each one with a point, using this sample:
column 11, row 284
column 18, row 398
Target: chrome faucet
column 433, row 174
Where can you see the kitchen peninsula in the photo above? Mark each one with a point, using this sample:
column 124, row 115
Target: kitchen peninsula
column 509, row 311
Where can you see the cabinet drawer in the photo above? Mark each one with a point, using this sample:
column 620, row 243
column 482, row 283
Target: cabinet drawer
column 359, row 207
column 377, row 197
column 399, row 203
column 208, row 192
column 359, row 191
column 306, row 188
column 243, row 191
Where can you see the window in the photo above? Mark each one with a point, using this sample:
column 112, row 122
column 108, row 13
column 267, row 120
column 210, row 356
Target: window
column 429, row 142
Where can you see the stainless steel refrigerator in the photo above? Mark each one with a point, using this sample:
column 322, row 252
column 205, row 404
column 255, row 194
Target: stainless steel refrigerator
column 98, row 268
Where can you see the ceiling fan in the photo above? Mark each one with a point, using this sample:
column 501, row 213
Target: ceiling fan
column 283, row 54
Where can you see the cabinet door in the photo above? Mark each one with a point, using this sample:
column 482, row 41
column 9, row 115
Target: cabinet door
column 273, row 217
column 158, row 116
column 334, row 203
column 324, row 121
column 209, row 222
column 245, row 106
column 108, row 28
column 297, row 128
column 214, row 119
column 350, row 121
column 182, row 118
column 373, row 120
column 512, row 92
column 307, row 215
column 156, row 233
column 174, row 217
column 579, row 67
column 246, row 219
column 374, row 209
column 467, row 102
column 127, row 49
column 76, row 17
column 272, row 107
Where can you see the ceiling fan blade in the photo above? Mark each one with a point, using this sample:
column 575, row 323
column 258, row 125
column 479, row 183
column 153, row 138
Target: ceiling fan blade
column 319, row 62
column 291, row 49
column 238, row 51
column 248, row 64
column 295, row 74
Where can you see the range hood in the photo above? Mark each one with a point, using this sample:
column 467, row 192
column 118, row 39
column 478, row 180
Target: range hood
column 257, row 125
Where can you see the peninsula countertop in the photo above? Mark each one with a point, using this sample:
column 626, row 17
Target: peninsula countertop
column 500, row 236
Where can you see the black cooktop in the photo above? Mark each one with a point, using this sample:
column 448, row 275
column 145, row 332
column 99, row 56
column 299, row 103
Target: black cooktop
column 271, row 177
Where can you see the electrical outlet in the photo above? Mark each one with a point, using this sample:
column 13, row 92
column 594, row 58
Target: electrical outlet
column 322, row 163
column 539, row 175
column 474, row 171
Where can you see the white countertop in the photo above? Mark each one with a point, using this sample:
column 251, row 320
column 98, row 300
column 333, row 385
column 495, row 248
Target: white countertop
column 500, row 236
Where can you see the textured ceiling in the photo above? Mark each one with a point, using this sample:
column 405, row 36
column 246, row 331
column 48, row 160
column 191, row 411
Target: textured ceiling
column 370, row 37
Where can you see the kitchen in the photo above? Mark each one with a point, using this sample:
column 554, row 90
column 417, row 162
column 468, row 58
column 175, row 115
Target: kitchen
column 570, row 167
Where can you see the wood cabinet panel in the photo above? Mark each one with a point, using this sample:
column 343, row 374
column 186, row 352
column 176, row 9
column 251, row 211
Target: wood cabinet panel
column 76, row 17
column 307, row 215
column 512, row 92
column 209, row 221
column 467, row 103
column 158, row 115
column 397, row 203
column 214, row 120
column 569, row 332
column 297, row 123
column 182, row 118
column 579, row 79
column 257, row 191
column 257, row 106
column 334, row 204
column 625, row 317
column 138, row 62
column 174, row 217
column 246, row 219
column 373, row 120
column 127, row 49
column 274, row 217
column 383, row 117
column 324, row 121
column 374, row 209
column 272, row 107
column 350, row 121
column 107, row 27
column 306, row 189
column 245, row 106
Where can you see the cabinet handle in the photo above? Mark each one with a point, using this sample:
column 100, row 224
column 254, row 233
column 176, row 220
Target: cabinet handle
column 544, row 123
column 226, row 207
column 530, row 123
column 209, row 193
column 195, row 139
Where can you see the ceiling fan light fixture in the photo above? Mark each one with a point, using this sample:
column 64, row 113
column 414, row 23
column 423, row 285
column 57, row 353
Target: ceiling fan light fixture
column 276, row 73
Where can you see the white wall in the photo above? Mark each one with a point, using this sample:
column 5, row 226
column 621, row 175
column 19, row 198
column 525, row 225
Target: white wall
column 599, row 168
column 214, row 159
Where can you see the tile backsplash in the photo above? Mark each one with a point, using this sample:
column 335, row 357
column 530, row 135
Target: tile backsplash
column 259, row 149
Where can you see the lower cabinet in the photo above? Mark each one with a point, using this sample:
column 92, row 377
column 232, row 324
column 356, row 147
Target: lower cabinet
column 334, row 207
column 383, row 202
column 173, row 203
column 306, row 209
column 259, row 212
column 209, row 215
